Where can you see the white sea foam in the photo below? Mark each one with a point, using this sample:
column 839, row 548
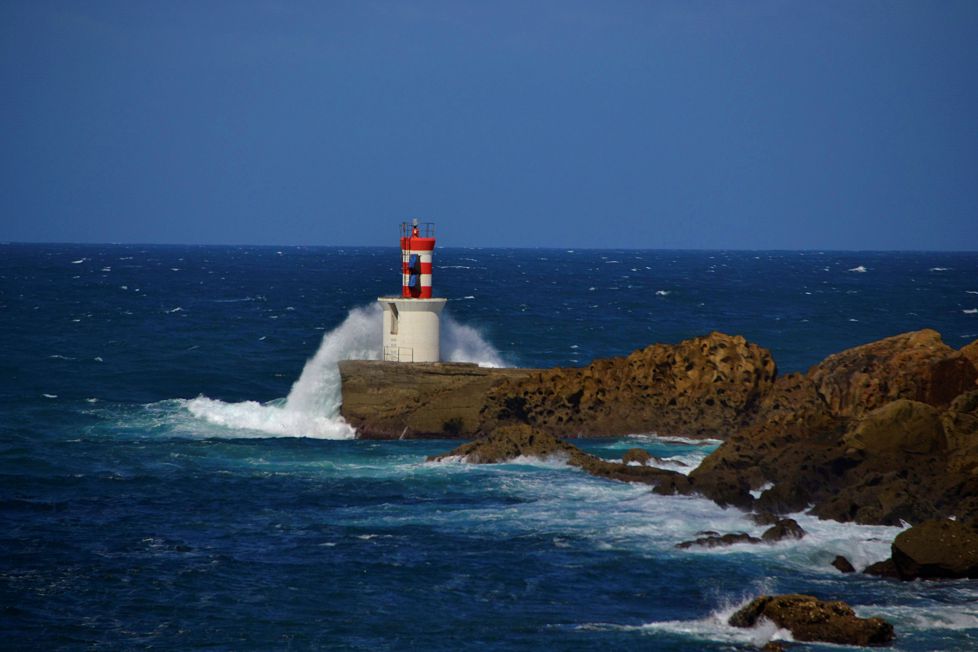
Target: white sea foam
column 859, row 269
column 662, row 293
column 970, row 311
column 939, row 269
column 312, row 407
column 715, row 627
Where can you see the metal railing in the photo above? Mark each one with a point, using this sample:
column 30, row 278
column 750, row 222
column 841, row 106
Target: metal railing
column 425, row 229
column 396, row 353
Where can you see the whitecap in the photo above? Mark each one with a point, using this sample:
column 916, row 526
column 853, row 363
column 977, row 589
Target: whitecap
column 79, row 261
column 662, row 293
column 970, row 311
column 49, row 395
column 177, row 309
column 939, row 269
column 106, row 269
column 860, row 269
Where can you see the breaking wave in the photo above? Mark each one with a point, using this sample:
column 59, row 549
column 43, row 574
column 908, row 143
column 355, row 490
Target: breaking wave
column 312, row 408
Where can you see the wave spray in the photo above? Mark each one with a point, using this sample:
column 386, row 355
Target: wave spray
column 312, row 408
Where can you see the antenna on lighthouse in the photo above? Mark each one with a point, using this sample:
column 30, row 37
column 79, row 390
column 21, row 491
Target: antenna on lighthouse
column 411, row 321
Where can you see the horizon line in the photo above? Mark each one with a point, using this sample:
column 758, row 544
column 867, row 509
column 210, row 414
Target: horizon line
column 526, row 248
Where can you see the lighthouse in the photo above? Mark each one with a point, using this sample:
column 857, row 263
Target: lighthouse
column 412, row 320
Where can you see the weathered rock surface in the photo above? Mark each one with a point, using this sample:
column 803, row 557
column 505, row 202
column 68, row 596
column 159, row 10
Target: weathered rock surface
column 811, row 619
column 916, row 365
column 511, row 442
column 883, row 433
column 637, row 455
column 706, row 386
column 718, row 541
column 970, row 351
column 782, row 529
column 787, row 528
column 938, row 549
column 389, row 400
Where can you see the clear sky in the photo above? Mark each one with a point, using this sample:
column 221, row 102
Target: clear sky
column 687, row 124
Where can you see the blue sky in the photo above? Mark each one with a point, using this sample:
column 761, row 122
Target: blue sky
column 747, row 125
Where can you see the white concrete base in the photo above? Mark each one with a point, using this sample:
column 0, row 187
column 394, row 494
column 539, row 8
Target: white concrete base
column 412, row 329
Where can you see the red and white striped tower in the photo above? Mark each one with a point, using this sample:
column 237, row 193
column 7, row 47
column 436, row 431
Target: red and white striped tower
column 416, row 251
column 411, row 321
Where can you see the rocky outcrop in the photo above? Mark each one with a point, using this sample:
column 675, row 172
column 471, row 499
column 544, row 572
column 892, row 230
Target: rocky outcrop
column 938, row 549
column 636, row 456
column 916, row 366
column 811, row 619
column 706, row 386
column 390, row 400
column 787, row 528
column 970, row 351
column 883, row 433
column 512, row 442
column 714, row 540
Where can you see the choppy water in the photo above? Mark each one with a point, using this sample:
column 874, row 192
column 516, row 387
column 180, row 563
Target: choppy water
column 173, row 474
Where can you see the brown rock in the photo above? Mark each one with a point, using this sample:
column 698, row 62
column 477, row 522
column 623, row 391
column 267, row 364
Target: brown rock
column 786, row 444
column 843, row 565
column 961, row 429
column 510, row 442
column 638, row 455
column 916, row 366
column 885, row 568
column 811, row 619
column 705, row 386
column 898, row 428
column 936, row 549
column 787, row 528
column 970, row 351
column 718, row 541
column 892, row 464
column 390, row 400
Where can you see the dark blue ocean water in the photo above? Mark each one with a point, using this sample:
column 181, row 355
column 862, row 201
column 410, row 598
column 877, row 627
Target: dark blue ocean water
column 173, row 474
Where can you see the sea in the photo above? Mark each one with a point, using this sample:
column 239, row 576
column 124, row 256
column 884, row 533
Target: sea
column 175, row 475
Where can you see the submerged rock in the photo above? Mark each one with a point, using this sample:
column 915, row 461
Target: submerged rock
column 811, row 619
column 638, row 455
column 787, row 528
column 783, row 529
column 510, row 442
column 718, row 541
column 843, row 565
